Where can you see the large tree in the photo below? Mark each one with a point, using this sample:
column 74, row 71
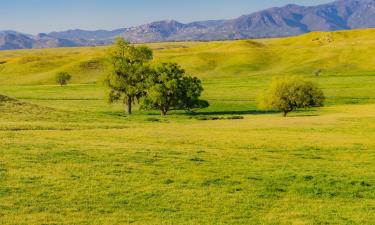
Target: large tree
column 170, row 88
column 130, row 69
column 289, row 93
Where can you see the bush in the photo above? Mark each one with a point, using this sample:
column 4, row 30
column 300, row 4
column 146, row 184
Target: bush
column 289, row 93
column 62, row 78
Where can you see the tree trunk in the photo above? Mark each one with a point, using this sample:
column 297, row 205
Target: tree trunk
column 285, row 113
column 163, row 110
column 128, row 105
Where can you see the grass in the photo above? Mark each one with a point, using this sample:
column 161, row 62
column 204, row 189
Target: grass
column 66, row 157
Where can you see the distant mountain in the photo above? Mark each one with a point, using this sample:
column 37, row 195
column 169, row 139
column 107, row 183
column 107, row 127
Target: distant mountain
column 274, row 22
column 88, row 35
column 14, row 40
column 173, row 31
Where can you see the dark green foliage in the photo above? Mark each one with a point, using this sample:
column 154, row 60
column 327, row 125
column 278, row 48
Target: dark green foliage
column 290, row 93
column 62, row 78
column 169, row 88
column 190, row 91
column 129, row 72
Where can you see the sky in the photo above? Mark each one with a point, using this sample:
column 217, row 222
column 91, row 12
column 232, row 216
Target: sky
column 42, row 16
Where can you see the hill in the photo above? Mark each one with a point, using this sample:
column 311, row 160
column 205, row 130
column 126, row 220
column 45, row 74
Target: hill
column 343, row 52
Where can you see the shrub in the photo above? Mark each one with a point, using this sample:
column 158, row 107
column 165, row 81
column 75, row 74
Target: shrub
column 62, row 78
column 289, row 93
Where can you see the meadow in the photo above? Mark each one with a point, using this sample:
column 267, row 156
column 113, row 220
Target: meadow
column 67, row 157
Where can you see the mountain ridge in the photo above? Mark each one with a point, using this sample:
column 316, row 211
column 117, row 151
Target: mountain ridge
column 289, row 20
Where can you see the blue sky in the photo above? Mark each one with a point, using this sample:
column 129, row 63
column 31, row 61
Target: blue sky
column 34, row 16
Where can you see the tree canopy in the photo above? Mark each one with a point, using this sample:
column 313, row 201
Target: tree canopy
column 130, row 69
column 289, row 93
column 169, row 88
column 62, row 78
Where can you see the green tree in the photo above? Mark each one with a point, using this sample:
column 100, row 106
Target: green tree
column 169, row 88
column 130, row 69
column 289, row 93
column 63, row 78
column 189, row 92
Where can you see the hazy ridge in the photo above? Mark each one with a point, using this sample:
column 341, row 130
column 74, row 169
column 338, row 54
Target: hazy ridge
column 289, row 20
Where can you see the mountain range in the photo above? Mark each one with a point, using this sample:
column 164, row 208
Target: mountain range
column 274, row 22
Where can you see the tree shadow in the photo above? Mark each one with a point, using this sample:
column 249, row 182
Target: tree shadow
column 232, row 112
column 304, row 115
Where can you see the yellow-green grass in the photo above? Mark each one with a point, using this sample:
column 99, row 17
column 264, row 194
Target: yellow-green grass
column 349, row 52
column 74, row 167
column 66, row 157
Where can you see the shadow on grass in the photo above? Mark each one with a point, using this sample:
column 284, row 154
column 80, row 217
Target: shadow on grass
column 214, row 114
column 304, row 115
column 114, row 114
column 193, row 114
column 232, row 112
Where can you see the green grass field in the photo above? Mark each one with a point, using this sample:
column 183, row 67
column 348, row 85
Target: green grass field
column 66, row 157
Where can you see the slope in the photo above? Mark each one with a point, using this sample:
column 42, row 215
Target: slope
column 340, row 53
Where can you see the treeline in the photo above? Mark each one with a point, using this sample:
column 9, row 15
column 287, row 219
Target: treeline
column 132, row 79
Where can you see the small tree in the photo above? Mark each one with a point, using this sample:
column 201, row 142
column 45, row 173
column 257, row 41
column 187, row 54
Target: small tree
column 62, row 78
column 170, row 89
column 130, row 69
column 290, row 93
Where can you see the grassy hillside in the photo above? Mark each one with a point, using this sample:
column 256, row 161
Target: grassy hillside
column 76, row 167
column 341, row 52
column 66, row 157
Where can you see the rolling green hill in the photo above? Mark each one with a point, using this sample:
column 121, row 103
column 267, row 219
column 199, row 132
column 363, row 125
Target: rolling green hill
column 344, row 53
column 67, row 157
